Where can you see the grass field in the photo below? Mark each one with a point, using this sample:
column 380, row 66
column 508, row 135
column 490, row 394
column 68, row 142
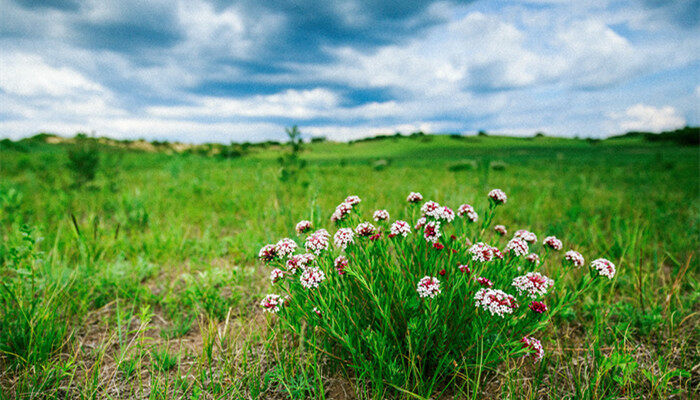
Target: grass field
column 144, row 282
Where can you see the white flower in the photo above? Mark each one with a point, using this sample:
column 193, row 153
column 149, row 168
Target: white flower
column 533, row 258
column 536, row 349
column 498, row 196
column 429, row 286
column 414, row 197
column 299, row 261
column 311, row 277
column 431, row 231
column 343, row 237
column 353, row 200
column 268, row 252
column 429, row 207
column 317, row 242
column 400, row 228
column 604, row 267
column 303, row 226
column 500, row 229
column 481, row 252
column 533, row 284
column 525, row 235
column 285, row 247
column 341, row 211
column 276, row 274
column 365, row 229
column 420, row 223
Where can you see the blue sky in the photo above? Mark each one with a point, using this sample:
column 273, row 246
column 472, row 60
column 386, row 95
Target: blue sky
column 211, row 70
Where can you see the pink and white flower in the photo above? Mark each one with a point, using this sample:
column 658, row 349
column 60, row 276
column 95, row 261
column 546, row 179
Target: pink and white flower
column 275, row 275
column 381, row 215
column 498, row 196
column 525, row 235
column 353, row 200
column 316, row 311
column 341, row 211
column 414, row 197
column 517, row 246
column 285, row 247
column 533, row 284
column 429, row 208
column 535, row 347
column 268, row 253
column 298, row 261
column 429, row 286
column 604, row 267
column 340, row 263
column 445, row 214
column 317, row 242
column 575, row 258
column 303, row 226
column 501, row 230
column 365, row 229
column 481, row 252
column 495, row 301
column 271, row 303
column 485, row 282
column 343, row 237
column 466, row 209
column 431, row 231
column 533, row 259
column 553, row 243
column 400, row 228
column 464, row 269
column 538, row 307
column 311, row 277
column 420, row 223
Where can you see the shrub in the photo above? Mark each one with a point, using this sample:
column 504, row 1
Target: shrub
column 83, row 160
column 422, row 308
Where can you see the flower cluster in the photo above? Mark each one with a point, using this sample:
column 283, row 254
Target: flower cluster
column 285, row 247
column 414, row 197
column 353, row 200
column 538, row 307
column 525, row 235
column 575, row 258
column 495, row 301
column 268, row 253
column 604, row 267
column 533, row 284
column 500, row 229
column 481, row 252
column 271, row 303
column 365, row 229
column 536, row 351
column 466, row 209
column 343, row 237
column 428, row 287
column 381, row 215
column 317, row 241
column 517, row 246
column 431, row 231
column 311, row 277
column 340, row 263
column 303, row 226
column 485, row 282
column 553, row 243
column 298, row 261
column 498, row 196
column 533, row 258
column 400, row 228
column 275, row 275
column 341, row 211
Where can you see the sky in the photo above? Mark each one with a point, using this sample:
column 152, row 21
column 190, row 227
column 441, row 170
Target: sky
column 217, row 71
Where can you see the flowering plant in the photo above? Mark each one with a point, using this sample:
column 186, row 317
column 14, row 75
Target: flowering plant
column 405, row 307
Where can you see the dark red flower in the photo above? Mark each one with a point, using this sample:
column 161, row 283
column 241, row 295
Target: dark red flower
column 538, row 307
column 442, row 272
column 438, row 246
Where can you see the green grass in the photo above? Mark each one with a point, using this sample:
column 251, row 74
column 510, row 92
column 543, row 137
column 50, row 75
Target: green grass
column 144, row 282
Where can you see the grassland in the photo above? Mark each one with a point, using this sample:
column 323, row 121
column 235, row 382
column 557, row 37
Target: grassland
column 143, row 283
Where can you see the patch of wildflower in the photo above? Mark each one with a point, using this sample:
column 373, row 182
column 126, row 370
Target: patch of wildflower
column 340, row 263
column 341, row 211
column 496, row 302
column 414, row 197
column 431, row 231
column 445, row 213
column 485, row 282
column 420, row 223
column 268, row 253
column 429, row 286
column 575, row 258
column 353, row 200
column 381, row 215
column 533, row 284
column 285, row 247
column 299, row 261
column 275, row 275
column 604, row 267
column 468, row 211
column 317, row 242
column 553, row 243
column 343, row 237
column 311, row 277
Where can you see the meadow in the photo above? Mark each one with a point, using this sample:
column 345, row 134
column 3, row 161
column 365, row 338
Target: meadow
column 144, row 282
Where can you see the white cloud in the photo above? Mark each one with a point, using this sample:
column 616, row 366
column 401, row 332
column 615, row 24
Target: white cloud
column 641, row 117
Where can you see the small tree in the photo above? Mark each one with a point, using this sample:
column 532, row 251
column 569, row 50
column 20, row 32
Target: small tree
column 290, row 163
column 83, row 160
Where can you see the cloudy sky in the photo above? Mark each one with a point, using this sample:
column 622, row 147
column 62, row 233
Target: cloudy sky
column 211, row 70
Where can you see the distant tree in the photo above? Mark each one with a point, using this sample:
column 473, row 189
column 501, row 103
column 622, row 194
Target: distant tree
column 482, row 133
column 290, row 163
column 539, row 134
column 83, row 160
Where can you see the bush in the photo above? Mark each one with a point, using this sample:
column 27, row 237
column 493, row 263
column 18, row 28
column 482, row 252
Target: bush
column 83, row 160
column 425, row 310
